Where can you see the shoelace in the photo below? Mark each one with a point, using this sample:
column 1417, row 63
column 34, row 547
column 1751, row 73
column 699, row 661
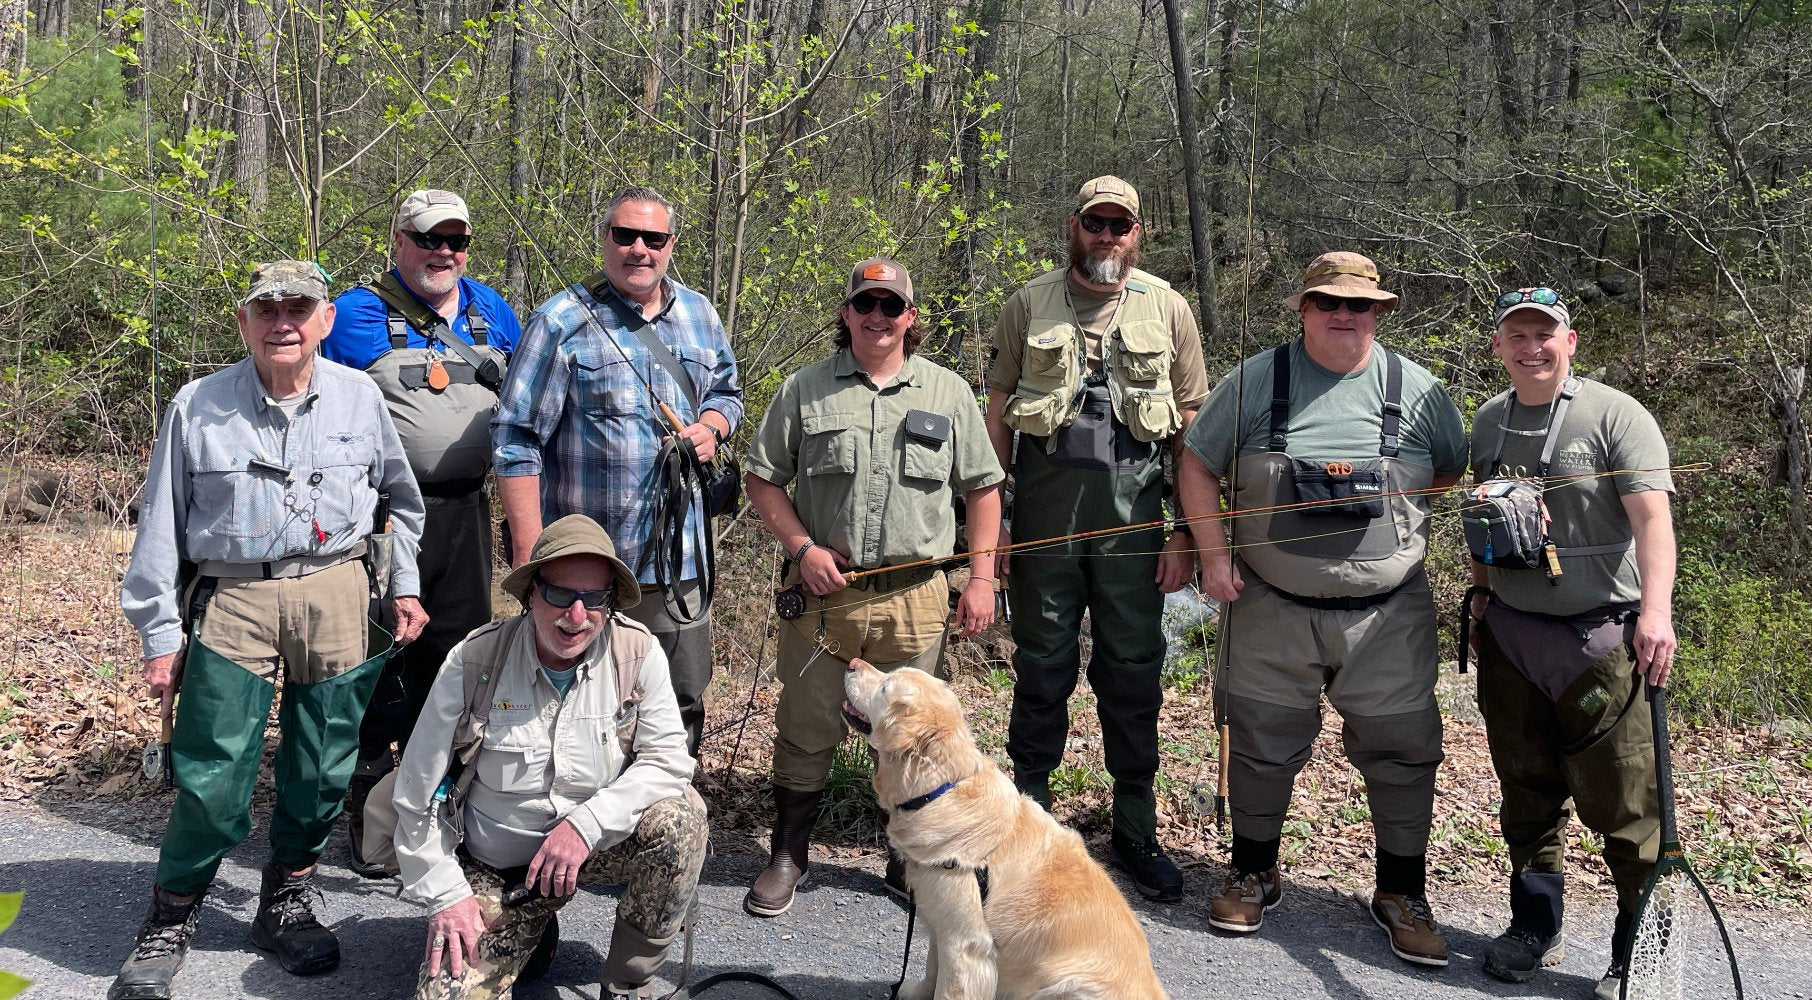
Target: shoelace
column 1536, row 941
column 158, row 940
column 290, row 905
column 1419, row 911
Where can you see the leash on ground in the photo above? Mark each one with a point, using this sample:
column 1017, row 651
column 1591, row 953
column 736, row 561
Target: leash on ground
column 682, row 991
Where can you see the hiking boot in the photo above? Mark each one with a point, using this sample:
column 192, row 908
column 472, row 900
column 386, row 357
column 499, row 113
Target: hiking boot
column 1520, row 952
column 1244, row 898
column 896, row 877
column 357, row 791
column 1610, row 987
column 542, row 958
column 286, row 923
column 789, row 853
column 1153, row 874
column 163, row 943
column 1414, row 935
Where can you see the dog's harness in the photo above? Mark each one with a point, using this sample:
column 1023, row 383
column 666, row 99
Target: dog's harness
column 914, row 804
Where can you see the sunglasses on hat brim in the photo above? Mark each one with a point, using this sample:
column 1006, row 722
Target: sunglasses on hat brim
column 1540, row 296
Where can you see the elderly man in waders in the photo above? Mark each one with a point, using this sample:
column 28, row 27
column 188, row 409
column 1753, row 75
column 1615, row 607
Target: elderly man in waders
column 260, row 498
column 1097, row 369
column 578, row 775
column 436, row 342
column 875, row 440
column 1563, row 655
column 1328, row 595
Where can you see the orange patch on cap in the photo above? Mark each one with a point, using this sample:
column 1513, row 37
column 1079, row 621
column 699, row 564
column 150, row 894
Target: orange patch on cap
column 877, row 272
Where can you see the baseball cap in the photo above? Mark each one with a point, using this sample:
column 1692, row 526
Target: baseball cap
column 880, row 273
column 429, row 207
column 283, row 279
column 1107, row 190
column 1546, row 301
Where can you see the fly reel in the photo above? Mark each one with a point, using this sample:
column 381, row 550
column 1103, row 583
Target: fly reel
column 789, row 604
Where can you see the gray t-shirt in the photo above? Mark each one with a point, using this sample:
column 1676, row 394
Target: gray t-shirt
column 1615, row 448
column 1334, row 416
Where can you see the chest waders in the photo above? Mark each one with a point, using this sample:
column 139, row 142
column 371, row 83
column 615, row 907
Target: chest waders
column 218, row 745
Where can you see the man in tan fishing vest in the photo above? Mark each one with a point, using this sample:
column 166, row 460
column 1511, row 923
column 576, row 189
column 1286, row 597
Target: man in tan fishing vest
column 436, row 343
column 1329, row 593
column 1098, row 369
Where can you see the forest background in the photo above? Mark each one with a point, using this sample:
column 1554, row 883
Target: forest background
column 1648, row 159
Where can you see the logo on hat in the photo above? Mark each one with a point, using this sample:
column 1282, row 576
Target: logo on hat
column 878, row 272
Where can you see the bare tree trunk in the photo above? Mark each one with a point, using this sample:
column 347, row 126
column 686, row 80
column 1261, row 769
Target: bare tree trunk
column 12, row 31
column 254, row 71
column 515, row 261
column 1201, row 224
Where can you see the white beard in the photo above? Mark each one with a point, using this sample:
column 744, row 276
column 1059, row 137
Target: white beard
column 1107, row 270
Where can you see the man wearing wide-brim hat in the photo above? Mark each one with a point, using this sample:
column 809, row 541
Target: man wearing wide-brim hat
column 581, row 777
column 1342, row 440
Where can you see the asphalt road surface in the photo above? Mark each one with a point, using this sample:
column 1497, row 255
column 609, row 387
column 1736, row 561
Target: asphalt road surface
column 86, row 871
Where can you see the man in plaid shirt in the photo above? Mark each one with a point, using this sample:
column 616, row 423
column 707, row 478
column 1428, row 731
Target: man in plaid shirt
column 577, row 431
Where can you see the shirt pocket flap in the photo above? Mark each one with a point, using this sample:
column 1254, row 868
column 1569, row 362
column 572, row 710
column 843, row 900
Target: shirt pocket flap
column 931, row 428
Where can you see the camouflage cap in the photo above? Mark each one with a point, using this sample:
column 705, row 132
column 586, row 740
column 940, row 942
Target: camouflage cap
column 573, row 535
column 286, row 279
column 427, row 208
column 1107, row 190
column 880, row 273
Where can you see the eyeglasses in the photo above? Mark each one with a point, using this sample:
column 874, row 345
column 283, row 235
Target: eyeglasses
column 456, row 242
column 563, row 597
column 892, row 306
column 1539, row 296
column 1328, row 303
column 653, row 239
column 1096, row 223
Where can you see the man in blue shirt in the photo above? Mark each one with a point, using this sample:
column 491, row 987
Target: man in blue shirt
column 436, row 343
column 579, row 431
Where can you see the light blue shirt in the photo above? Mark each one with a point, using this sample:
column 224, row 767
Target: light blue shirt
column 237, row 479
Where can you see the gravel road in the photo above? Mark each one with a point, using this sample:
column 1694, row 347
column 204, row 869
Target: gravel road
column 86, row 872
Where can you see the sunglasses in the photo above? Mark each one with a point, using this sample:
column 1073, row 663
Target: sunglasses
column 1539, row 296
column 1096, row 223
column 1327, row 303
column 456, row 242
column 563, row 597
column 891, row 306
column 653, row 239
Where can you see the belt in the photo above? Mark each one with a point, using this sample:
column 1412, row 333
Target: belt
column 898, row 579
column 1337, row 603
column 279, row 569
column 453, row 488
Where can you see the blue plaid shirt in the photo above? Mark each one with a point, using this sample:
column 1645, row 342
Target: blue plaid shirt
column 575, row 412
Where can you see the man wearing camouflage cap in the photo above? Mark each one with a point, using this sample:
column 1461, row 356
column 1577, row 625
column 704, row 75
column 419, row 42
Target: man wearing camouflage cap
column 1098, row 368
column 1340, row 441
column 257, row 510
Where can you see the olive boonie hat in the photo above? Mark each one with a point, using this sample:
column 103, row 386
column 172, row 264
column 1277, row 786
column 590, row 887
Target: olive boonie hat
column 573, row 535
column 286, row 279
column 883, row 274
column 1107, row 190
column 425, row 209
column 1343, row 274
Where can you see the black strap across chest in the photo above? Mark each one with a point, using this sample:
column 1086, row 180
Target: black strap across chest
column 1389, row 441
column 403, row 311
column 1557, row 412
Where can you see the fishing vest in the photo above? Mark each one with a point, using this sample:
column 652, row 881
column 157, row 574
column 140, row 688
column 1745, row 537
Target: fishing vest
column 441, row 396
column 1136, row 355
column 1350, row 528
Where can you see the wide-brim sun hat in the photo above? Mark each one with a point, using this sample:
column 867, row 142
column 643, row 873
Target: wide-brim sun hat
column 1343, row 274
column 573, row 535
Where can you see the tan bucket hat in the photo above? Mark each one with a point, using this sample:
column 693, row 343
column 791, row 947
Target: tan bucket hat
column 1343, row 274
column 573, row 535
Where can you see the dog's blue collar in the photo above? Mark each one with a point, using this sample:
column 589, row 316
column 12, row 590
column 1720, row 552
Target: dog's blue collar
column 921, row 801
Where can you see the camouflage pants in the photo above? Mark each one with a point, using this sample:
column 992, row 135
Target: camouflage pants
column 660, row 863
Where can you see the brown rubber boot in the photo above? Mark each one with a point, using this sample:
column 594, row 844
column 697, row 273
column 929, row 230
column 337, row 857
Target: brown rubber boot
column 789, row 852
column 163, row 943
column 632, row 961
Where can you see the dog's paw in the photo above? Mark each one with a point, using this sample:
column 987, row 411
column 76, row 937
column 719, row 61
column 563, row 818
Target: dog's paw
column 915, row 989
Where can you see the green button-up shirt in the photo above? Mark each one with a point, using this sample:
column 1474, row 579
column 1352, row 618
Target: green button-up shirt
column 868, row 485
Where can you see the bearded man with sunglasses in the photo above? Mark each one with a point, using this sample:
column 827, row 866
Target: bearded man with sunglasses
column 436, row 342
column 1336, row 445
column 1562, row 657
column 1098, row 369
column 578, row 775
column 874, row 440
column 582, row 426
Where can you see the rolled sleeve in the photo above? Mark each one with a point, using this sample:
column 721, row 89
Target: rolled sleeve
column 774, row 454
column 662, row 767
column 534, row 395
column 150, row 591
column 725, row 392
column 425, row 845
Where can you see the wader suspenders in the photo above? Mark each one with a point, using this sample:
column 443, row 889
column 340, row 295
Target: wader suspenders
column 398, row 307
column 1389, row 439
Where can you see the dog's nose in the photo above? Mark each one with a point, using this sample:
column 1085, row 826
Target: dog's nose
column 853, row 661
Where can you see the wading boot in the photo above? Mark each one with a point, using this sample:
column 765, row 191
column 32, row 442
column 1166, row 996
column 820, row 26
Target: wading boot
column 286, row 923
column 632, row 961
column 163, row 943
column 1532, row 942
column 795, row 813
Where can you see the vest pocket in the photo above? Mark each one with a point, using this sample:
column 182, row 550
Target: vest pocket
column 1145, row 350
column 1050, row 353
column 1150, row 415
column 1036, row 411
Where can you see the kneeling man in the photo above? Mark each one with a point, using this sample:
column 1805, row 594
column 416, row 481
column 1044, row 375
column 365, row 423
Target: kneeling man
column 574, row 779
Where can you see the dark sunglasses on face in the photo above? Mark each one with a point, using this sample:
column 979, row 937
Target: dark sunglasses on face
column 624, row 236
column 891, row 306
column 456, row 242
column 1096, row 223
column 1539, row 296
column 563, row 597
column 1327, row 304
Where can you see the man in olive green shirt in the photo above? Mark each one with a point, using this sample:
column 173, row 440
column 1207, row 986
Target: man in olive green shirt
column 874, row 439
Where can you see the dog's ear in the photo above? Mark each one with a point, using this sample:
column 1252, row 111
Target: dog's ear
column 893, row 727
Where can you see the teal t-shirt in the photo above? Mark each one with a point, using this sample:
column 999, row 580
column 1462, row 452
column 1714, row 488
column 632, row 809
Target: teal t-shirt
column 1334, row 416
column 562, row 680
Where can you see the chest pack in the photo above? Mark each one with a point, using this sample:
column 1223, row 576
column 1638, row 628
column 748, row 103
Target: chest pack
column 1352, row 489
column 1136, row 357
column 482, row 661
column 1506, row 518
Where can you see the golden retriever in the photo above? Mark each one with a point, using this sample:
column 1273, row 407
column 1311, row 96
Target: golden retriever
column 1053, row 926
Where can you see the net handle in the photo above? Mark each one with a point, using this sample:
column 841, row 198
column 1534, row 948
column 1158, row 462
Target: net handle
column 1664, row 768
